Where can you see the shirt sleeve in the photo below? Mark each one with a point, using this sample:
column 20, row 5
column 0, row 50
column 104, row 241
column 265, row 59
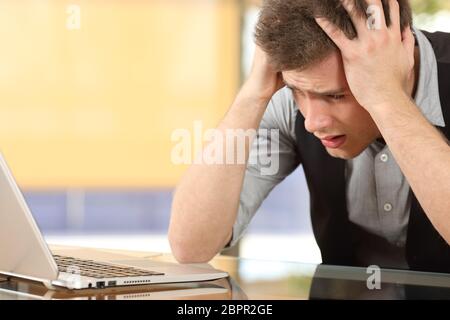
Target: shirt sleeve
column 268, row 164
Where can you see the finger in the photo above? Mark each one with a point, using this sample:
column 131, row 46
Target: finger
column 358, row 19
column 376, row 19
column 408, row 37
column 408, row 41
column 335, row 34
column 394, row 13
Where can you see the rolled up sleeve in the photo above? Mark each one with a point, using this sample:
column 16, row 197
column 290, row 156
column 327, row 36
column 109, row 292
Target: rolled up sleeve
column 280, row 114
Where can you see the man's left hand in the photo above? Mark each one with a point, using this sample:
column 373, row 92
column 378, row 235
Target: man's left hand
column 379, row 62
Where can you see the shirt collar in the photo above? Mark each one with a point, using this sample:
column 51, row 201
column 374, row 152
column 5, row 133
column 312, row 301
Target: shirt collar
column 427, row 93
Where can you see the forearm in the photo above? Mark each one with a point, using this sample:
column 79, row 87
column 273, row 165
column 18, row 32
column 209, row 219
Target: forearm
column 423, row 155
column 206, row 201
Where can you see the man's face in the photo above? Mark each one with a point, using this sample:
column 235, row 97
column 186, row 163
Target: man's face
column 331, row 112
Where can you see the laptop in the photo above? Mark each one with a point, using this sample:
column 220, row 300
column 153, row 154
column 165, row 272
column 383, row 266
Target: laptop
column 25, row 254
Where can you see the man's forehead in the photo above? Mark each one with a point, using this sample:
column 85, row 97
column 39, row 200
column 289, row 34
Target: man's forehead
column 320, row 86
column 326, row 90
column 327, row 75
column 331, row 61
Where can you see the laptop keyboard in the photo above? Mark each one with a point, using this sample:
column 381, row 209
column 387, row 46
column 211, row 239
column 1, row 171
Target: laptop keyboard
column 94, row 269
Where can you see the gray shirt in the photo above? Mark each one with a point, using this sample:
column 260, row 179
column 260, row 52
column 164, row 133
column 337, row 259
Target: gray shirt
column 378, row 197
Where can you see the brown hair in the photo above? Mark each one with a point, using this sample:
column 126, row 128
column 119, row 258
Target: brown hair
column 287, row 32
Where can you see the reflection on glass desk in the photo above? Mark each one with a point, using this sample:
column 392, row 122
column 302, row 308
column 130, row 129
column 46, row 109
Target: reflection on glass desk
column 24, row 290
column 249, row 279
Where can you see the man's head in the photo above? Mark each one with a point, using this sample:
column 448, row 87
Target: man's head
column 312, row 66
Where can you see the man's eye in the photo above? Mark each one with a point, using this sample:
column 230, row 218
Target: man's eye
column 297, row 92
column 336, row 96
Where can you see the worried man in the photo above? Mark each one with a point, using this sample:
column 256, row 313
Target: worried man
column 361, row 100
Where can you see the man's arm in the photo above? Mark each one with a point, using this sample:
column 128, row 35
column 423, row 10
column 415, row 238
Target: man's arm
column 206, row 200
column 280, row 149
column 422, row 153
column 379, row 66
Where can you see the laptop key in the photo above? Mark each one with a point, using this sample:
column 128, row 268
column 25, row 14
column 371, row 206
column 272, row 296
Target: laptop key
column 90, row 268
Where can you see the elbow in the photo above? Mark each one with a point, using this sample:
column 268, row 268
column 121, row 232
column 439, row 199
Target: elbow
column 186, row 257
column 186, row 253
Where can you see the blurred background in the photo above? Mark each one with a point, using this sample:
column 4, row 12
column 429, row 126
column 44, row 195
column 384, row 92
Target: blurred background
column 91, row 92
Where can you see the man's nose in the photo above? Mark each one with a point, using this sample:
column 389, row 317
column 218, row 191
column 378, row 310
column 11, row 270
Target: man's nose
column 317, row 117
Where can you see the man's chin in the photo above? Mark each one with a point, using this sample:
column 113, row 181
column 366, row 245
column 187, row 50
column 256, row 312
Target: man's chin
column 344, row 154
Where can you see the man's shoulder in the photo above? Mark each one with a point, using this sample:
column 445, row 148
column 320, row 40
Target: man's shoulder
column 440, row 41
column 283, row 97
column 281, row 112
column 438, row 36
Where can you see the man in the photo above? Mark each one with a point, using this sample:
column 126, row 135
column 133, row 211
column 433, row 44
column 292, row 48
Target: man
column 365, row 111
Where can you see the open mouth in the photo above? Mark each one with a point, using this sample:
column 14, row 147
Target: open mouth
column 334, row 142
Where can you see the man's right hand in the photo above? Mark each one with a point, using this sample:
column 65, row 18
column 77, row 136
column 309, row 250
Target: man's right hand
column 264, row 81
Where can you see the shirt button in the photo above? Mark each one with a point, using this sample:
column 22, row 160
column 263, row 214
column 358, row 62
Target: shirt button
column 384, row 157
column 387, row 207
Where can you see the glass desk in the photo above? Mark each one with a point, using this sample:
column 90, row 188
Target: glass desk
column 249, row 279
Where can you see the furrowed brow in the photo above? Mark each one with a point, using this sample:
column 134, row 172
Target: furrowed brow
column 331, row 92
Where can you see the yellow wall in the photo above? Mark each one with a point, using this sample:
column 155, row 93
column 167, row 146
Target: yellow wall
column 96, row 107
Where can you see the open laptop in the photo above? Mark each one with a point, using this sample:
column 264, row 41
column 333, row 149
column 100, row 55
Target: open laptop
column 25, row 254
